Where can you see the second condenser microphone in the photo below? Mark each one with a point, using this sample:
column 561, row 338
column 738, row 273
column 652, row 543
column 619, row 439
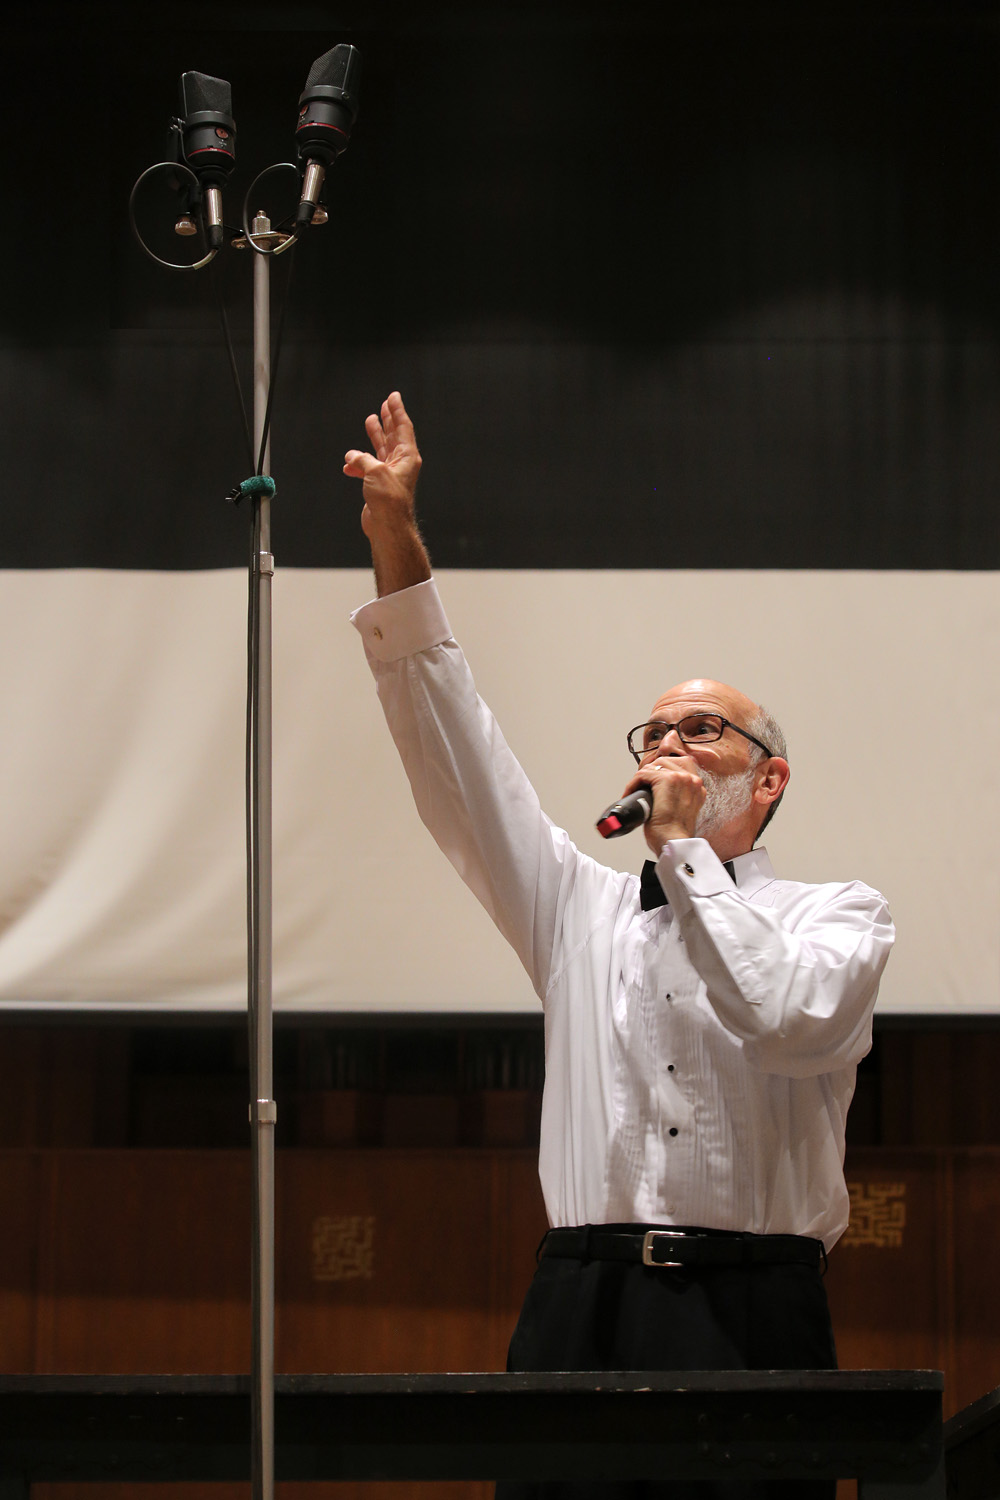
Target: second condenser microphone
column 208, row 141
column 328, row 108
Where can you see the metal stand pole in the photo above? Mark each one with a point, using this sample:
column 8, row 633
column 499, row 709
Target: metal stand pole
column 263, row 1110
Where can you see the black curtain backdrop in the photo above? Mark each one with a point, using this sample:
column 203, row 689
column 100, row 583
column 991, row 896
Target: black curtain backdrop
column 664, row 287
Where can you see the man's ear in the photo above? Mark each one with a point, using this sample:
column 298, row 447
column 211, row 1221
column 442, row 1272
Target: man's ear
column 772, row 783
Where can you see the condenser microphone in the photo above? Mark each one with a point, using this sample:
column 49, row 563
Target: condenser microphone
column 328, row 108
column 631, row 812
column 208, row 142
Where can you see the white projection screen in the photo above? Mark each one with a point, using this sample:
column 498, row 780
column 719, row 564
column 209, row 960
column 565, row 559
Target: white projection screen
column 122, row 884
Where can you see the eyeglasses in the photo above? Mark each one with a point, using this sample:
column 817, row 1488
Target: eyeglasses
column 693, row 729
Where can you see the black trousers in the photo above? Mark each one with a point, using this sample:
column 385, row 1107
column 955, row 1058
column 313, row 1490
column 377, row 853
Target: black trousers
column 612, row 1315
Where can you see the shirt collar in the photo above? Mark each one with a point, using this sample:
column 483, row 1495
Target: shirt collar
column 750, row 872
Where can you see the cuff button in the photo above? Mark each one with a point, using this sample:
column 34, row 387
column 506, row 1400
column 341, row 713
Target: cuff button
column 377, row 632
column 688, row 870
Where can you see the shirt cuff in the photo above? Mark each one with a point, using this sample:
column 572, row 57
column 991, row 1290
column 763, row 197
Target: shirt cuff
column 403, row 623
column 688, row 868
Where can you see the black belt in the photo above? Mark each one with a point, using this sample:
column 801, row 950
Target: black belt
column 674, row 1246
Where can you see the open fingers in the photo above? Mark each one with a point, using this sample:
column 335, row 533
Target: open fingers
column 389, row 432
column 402, row 427
column 377, row 437
column 389, row 423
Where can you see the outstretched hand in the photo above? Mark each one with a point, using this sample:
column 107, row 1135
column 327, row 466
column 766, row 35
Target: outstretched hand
column 389, row 474
column 389, row 484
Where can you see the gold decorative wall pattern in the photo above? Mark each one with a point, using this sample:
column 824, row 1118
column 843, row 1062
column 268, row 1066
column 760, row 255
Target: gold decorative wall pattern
column 878, row 1215
column 343, row 1247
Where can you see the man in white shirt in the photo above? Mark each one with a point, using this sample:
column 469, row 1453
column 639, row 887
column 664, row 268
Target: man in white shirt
column 703, row 1025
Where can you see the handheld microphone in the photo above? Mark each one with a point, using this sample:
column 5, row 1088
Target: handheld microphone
column 328, row 108
column 207, row 134
column 631, row 812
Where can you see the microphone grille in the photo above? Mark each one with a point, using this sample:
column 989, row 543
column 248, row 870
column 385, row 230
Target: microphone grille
column 202, row 91
column 339, row 68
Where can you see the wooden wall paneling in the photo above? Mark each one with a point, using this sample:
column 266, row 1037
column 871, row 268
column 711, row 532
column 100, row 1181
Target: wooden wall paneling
column 519, row 1223
column 976, row 1367
column 20, row 1085
column 975, row 1059
column 384, row 1260
column 63, row 1086
column 384, row 1263
column 936, row 1088
column 395, row 1260
column 895, row 1088
column 47, row 1100
column 190, row 1113
column 946, row 1240
column 888, row 1276
column 933, row 1087
column 105, row 1054
column 50, row 1231
column 22, row 1193
column 145, row 1265
column 418, row 1259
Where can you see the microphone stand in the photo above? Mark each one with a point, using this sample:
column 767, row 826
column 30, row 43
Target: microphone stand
column 263, row 1108
column 328, row 108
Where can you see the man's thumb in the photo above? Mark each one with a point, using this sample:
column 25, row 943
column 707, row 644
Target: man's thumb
column 359, row 464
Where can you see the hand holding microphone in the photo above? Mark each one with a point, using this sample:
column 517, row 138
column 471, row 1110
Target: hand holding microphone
column 669, row 798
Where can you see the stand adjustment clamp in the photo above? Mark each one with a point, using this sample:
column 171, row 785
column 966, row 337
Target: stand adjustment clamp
column 265, row 564
column 264, row 1112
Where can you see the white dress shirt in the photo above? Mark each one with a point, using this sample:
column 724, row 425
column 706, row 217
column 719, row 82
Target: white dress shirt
column 699, row 1058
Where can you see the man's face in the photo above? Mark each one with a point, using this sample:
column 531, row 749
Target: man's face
column 725, row 765
column 723, row 757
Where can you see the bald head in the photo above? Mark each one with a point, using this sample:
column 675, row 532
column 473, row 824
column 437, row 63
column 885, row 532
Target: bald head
column 706, row 696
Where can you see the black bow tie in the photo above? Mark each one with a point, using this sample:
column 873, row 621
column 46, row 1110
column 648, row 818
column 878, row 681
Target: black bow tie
column 651, row 891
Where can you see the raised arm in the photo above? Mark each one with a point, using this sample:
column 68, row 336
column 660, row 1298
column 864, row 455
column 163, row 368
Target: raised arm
column 389, row 477
column 469, row 789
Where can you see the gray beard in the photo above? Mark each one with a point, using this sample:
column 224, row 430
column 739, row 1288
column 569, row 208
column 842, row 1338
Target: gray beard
column 728, row 796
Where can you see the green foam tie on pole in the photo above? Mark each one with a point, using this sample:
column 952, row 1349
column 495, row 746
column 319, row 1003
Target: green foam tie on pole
column 259, row 484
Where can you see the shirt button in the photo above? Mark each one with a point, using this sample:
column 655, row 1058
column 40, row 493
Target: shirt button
column 668, row 996
column 671, row 1208
column 673, row 1130
column 670, row 1067
column 377, row 632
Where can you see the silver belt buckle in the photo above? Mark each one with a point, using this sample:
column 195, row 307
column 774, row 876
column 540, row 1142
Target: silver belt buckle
column 647, row 1247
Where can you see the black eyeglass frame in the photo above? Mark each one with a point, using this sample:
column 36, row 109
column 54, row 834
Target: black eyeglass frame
column 640, row 755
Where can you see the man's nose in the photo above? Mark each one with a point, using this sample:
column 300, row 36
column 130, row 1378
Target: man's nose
column 672, row 744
